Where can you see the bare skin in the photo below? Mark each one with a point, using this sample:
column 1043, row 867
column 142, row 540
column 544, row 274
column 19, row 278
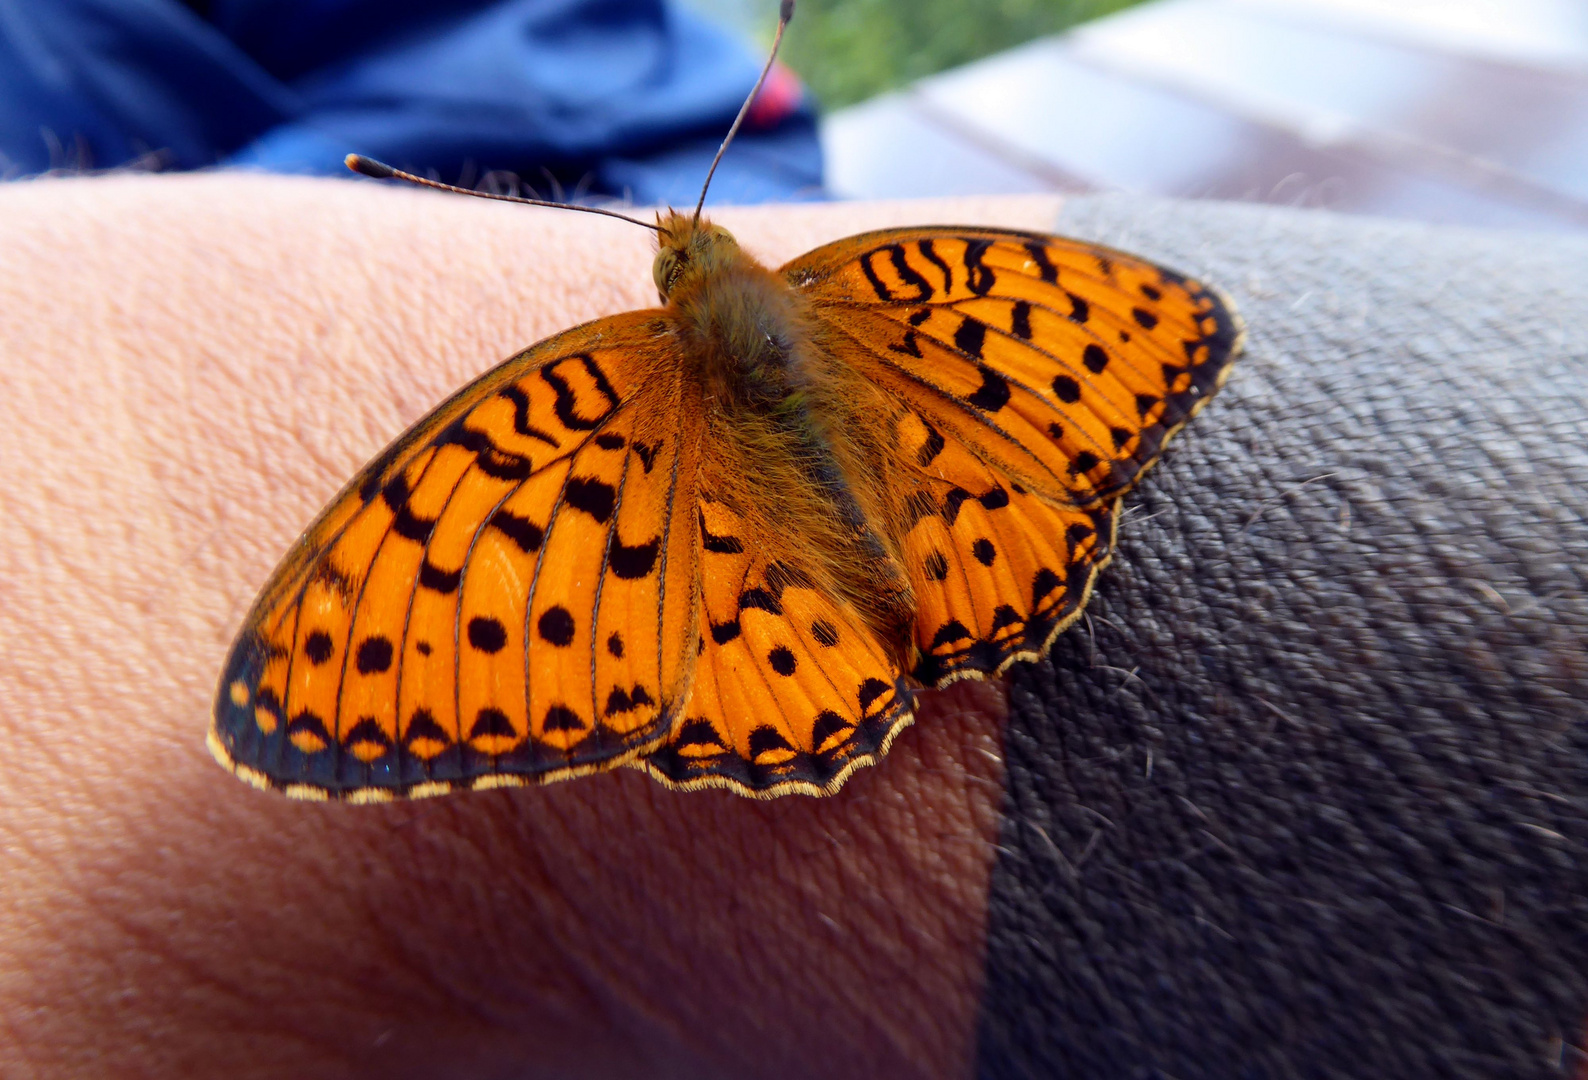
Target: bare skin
column 191, row 367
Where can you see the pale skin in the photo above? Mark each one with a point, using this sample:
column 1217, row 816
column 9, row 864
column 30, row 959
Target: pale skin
column 191, row 366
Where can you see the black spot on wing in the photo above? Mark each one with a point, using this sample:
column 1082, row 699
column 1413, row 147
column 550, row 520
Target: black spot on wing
column 828, row 724
column 951, row 504
column 422, row 726
column 562, row 718
column 699, row 733
column 766, row 739
column 970, row 336
column 721, row 545
column 521, row 424
column 1045, row 268
column 523, row 532
column 318, row 647
column 1044, row 583
column 374, row 655
column 980, row 277
column 367, row 733
column 556, row 626
column 634, row 562
column 491, row 722
column 435, row 579
column 647, row 453
column 410, row 526
column 622, row 701
column 993, row 394
column 487, row 634
column 936, row 260
column 1003, row 616
column 761, row 600
column 907, row 347
column 870, row 691
column 951, row 631
column 566, row 405
column 309, row 723
column 592, row 496
column 489, row 458
column 1020, row 320
column 901, row 267
column 395, row 492
column 931, row 448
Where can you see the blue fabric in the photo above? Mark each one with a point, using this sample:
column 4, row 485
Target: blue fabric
column 626, row 97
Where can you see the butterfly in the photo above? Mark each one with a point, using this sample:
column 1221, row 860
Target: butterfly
column 726, row 540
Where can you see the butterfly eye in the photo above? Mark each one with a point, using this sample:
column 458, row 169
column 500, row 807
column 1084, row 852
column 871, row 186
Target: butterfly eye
column 674, row 269
column 669, row 264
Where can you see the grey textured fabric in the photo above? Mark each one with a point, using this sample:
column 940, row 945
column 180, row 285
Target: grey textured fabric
column 1305, row 794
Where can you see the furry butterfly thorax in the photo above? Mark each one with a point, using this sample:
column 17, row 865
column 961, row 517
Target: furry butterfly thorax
column 808, row 461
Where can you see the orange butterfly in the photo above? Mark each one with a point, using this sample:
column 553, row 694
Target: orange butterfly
column 723, row 540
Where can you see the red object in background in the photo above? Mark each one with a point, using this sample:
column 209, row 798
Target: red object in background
column 780, row 95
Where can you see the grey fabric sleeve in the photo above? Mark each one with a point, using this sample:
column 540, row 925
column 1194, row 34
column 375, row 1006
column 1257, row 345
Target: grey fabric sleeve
column 1303, row 794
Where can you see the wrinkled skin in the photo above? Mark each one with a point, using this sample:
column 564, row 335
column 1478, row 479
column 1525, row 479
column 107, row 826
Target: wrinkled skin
column 1310, row 780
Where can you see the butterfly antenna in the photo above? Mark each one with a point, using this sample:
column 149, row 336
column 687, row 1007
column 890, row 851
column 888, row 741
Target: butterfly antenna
column 784, row 14
column 381, row 171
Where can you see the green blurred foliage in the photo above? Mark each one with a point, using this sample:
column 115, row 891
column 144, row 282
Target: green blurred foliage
column 849, row 50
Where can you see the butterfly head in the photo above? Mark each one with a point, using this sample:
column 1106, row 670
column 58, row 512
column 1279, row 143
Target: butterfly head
column 689, row 251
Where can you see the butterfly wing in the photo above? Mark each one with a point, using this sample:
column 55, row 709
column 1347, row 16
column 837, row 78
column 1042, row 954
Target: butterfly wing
column 506, row 595
column 1038, row 378
column 792, row 691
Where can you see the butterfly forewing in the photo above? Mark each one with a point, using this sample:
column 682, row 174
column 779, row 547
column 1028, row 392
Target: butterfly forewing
column 1066, row 363
column 490, row 600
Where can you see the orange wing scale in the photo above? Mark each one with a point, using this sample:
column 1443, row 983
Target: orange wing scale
column 538, row 580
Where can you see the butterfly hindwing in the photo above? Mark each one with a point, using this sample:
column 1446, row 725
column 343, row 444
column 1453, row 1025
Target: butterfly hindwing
column 492, row 600
column 996, row 570
column 792, row 692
